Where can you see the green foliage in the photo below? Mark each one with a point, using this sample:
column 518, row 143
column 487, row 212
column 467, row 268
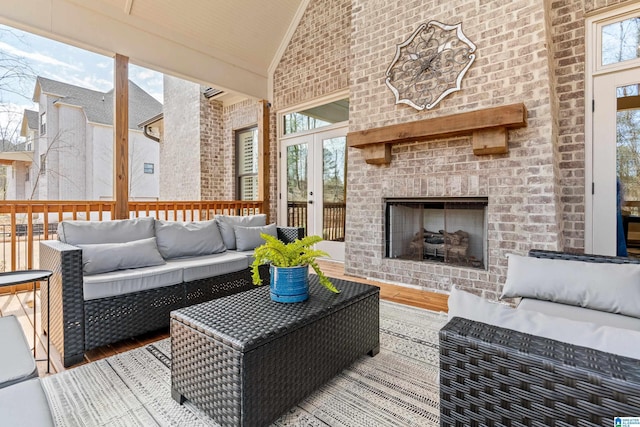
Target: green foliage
column 297, row 253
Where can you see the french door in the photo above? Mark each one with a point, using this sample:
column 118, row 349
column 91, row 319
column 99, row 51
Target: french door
column 616, row 157
column 313, row 186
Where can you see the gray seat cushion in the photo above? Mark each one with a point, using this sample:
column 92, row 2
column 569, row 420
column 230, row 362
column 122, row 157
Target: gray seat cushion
column 201, row 267
column 133, row 280
column 25, row 405
column 16, row 359
column 580, row 313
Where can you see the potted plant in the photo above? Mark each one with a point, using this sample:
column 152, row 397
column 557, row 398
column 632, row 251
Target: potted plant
column 289, row 267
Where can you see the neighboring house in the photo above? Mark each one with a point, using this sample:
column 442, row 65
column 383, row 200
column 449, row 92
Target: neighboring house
column 70, row 142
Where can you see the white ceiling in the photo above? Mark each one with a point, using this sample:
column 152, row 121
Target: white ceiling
column 228, row 44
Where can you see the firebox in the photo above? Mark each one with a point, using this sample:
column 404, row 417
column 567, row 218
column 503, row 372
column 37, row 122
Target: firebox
column 446, row 230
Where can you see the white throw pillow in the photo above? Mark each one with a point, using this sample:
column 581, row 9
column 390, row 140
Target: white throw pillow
column 182, row 239
column 585, row 334
column 115, row 231
column 248, row 238
column 105, row 257
column 227, row 222
column 614, row 288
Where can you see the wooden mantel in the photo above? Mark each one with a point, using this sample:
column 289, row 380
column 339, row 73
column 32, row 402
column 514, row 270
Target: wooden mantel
column 488, row 128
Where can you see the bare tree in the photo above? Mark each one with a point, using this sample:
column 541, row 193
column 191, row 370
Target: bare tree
column 54, row 144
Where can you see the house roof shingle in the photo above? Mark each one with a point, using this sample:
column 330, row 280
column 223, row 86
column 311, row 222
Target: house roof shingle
column 98, row 106
column 32, row 119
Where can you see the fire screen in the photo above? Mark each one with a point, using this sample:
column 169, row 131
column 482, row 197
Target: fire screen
column 446, row 230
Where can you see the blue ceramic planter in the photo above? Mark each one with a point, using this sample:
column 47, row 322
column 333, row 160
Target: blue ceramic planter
column 289, row 284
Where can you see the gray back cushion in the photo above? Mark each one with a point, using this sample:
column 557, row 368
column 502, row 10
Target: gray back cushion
column 104, row 257
column 248, row 238
column 115, row 231
column 614, row 288
column 183, row 239
column 226, row 224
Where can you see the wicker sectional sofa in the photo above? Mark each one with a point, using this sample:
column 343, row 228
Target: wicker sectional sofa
column 545, row 365
column 114, row 280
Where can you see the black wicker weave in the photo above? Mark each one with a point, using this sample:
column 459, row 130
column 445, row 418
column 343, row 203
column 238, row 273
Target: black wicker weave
column 491, row 376
column 245, row 359
column 78, row 325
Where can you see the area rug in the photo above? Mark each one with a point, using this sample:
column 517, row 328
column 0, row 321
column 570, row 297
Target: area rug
column 397, row 387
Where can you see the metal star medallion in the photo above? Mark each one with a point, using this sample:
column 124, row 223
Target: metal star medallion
column 430, row 64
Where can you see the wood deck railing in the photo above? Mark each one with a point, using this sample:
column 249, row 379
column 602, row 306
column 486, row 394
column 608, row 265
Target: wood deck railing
column 23, row 223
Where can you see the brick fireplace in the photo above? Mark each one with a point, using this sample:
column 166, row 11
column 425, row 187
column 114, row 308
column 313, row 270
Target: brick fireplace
column 483, row 160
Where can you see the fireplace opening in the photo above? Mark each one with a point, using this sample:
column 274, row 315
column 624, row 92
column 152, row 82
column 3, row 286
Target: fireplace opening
column 446, row 230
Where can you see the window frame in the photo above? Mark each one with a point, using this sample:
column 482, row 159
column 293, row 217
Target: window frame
column 43, row 123
column 238, row 175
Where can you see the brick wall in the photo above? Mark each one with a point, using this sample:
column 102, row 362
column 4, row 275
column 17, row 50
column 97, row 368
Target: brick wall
column 530, row 52
column 212, row 159
column 316, row 61
column 512, row 66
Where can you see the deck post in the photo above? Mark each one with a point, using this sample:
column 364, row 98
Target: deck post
column 121, row 137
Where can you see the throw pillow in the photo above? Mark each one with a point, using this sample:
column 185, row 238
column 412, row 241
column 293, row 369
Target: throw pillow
column 226, row 224
column 115, row 231
column 248, row 238
column 104, row 257
column 183, row 239
column 585, row 334
column 599, row 286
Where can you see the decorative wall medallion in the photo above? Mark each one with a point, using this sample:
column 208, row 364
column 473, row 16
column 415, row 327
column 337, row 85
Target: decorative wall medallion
column 430, row 64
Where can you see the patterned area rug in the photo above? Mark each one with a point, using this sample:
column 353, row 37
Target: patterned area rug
column 397, row 387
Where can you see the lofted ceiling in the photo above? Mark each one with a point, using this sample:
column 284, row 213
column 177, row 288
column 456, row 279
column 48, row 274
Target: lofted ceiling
column 228, row 44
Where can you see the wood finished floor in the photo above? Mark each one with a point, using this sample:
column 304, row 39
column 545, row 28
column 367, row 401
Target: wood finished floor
column 21, row 305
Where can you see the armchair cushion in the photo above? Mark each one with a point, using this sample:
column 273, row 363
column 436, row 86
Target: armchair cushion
column 16, row 360
column 226, row 224
column 186, row 239
column 116, row 231
column 614, row 288
column 585, row 334
column 104, row 257
column 248, row 238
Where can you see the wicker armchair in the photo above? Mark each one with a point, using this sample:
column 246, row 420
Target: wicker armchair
column 495, row 376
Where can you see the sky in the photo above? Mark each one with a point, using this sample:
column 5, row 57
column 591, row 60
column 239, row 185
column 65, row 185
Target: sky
column 61, row 62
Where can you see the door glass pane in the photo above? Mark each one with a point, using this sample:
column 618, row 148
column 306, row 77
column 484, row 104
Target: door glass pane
column 334, row 188
column 621, row 41
column 628, row 166
column 297, row 185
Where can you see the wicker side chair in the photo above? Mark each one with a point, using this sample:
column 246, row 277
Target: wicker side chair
column 492, row 376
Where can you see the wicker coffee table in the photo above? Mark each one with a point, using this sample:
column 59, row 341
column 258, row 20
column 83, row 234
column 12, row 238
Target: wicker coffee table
column 245, row 360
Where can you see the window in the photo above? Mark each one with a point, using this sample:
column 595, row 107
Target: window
column 26, row 177
column 149, row 168
column 247, row 164
column 316, row 117
column 43, row 123
column 43, row 163
column 620, row 40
